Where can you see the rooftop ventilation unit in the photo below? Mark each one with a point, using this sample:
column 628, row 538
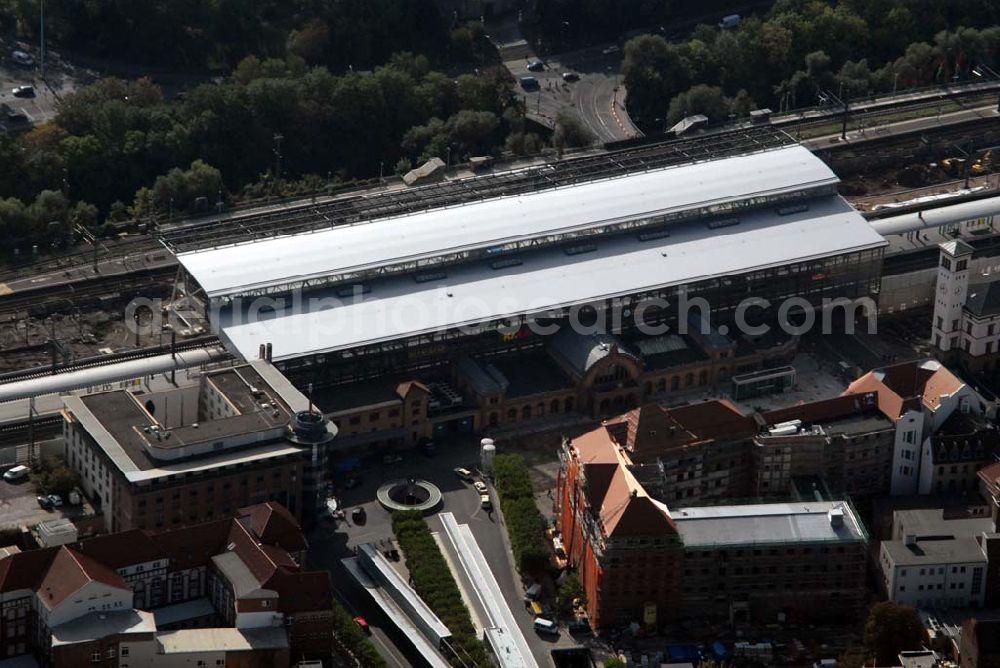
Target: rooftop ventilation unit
column 428, row 276
column 506, row 262
column 723, row 222
column 652, row 235
column 789, row 209
column 579, row 249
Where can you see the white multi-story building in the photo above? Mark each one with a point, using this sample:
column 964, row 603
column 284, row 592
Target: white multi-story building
column 966, row 314
column 934, row 562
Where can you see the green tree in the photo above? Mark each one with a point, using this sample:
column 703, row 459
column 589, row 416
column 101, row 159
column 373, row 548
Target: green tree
column 700, row 99
column 55, row 477
column 654, row 72
column 570, row 589
column 570, row 131
column 893, row 628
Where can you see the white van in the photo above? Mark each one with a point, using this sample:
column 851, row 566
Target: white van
column 546, row 626
column 730, row 22
column 19, row 472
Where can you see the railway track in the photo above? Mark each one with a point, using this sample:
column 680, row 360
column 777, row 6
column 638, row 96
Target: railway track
column 17, row 433
column 104, row 360
column 79, row 295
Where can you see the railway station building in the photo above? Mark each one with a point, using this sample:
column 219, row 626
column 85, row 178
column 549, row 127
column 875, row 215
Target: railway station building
column 561, row 294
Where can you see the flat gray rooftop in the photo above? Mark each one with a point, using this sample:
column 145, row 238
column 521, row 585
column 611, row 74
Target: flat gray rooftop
column 940, row 551
column 118, row 420
column 397, row 307
column 771, row 523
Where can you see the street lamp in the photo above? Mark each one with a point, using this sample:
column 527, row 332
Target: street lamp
column 978, row 71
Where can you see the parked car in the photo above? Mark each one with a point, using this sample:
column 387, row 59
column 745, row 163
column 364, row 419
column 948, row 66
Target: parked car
column 570, row 76
column 579, row 626
column 22, row 58
column 56, row 500
column 485, row 502
column 608, row 50
column 528, row 83
column 480, row 487
column 16, row 473
column 546, row 627
column 363, row 624
column 44, row 501
column 536, row 66
column 23, row 91
column 359, row 515
column 392, row 459
column 463, row 474
column 427, row 447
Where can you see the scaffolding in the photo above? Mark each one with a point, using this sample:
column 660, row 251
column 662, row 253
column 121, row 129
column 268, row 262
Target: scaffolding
column 363, row 207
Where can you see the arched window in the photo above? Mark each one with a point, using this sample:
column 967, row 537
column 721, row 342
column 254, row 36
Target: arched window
column 494, row 419
column 568, row 405
column 512, row 415
column 554, row 406
column 526, row 413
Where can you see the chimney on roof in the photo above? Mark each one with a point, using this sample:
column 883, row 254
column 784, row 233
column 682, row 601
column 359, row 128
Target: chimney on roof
column 261, row 352
column 634, row 493
column 268, row 352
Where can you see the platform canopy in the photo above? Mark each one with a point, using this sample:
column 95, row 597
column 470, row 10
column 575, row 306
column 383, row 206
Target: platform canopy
column 282, row 263
column 398, row 307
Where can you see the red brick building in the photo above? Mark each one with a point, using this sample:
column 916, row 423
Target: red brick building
column 640, row 560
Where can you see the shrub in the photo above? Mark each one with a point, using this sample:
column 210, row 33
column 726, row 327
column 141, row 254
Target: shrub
column 525, row 524
column 351, row 641
column 433, row 581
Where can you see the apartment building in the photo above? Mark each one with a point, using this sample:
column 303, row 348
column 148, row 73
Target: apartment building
column 232, row 590
column 161, row 460
column 938, row 562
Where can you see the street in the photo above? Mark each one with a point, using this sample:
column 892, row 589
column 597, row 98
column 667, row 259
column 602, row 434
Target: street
column 329, row 542
column 596, row 98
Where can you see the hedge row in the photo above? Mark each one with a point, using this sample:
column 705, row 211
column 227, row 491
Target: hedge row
column 351, row 641
column 525, row 524
column 433, row 581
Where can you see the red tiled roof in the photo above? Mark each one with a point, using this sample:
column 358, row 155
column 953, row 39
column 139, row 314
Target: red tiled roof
column 826, row 409
column 652, row 428
column 990, row 475
column 274, row 525
column 193, row 545
column 403, row 389
column 118, row 550
column 25, row 570
column 628, row 511
column 903, row 387
column 69, row 572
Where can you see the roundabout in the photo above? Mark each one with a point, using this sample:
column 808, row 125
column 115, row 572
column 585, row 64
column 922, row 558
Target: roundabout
column 409, row 494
